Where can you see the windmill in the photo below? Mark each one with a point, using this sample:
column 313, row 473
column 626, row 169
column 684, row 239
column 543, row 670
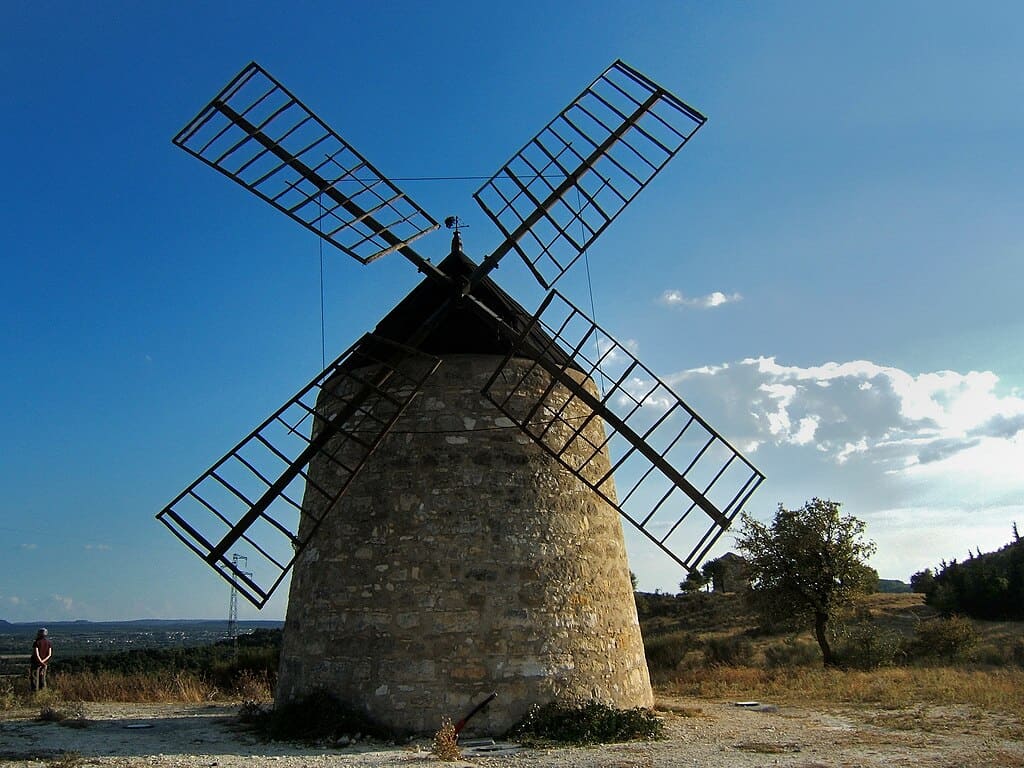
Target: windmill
column 449, row 490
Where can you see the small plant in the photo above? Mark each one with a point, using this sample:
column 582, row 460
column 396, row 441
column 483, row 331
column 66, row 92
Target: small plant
column 446, row 742
column 591, row 723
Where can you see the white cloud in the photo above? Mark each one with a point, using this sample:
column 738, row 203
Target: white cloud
column 98, row 547
column 674, row 298
column 28, row 547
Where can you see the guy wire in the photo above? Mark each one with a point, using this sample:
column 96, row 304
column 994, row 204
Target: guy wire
column 320, row 240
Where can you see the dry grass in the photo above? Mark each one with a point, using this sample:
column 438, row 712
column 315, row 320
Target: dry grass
column 996, row 690
column 159, row 687
column 117, row 686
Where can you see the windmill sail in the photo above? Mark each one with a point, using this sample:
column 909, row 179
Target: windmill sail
column 261, row 136
column 672, row 475
column 570, row 181
column 252, row 501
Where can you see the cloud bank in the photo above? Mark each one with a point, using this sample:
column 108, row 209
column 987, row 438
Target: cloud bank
column 861, row 410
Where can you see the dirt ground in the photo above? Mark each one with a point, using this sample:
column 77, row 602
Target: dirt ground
column 699, row 733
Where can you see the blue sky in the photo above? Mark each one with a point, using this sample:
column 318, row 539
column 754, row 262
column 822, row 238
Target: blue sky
column 829, row 272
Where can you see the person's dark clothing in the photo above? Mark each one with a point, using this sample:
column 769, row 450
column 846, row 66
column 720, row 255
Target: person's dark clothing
column 41, row 649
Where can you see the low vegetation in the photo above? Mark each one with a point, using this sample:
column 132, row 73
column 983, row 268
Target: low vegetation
column 590, row 723
column 892, row 650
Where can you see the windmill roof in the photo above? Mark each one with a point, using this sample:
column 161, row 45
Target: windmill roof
column 462, row 330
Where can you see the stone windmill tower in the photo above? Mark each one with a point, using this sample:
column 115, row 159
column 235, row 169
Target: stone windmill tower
column 449, row 490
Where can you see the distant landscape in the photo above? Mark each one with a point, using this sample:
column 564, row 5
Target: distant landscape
column 76, row 638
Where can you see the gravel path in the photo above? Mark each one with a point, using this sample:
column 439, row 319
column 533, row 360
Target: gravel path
column 699, row 733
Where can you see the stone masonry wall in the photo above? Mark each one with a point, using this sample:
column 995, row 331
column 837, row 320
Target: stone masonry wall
column 464, row 560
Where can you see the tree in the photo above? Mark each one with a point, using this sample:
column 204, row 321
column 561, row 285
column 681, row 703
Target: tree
column 807, row 564
column 695, row 582
column 923, row 581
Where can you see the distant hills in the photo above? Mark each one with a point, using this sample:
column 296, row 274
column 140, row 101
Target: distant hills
column 893, row 586
column 162, row 624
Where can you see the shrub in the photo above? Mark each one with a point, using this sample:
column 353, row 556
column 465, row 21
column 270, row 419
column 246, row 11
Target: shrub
column 733, row 651
column 952, row 638
column 993, row 655
column 866, row 646
column 591, row 723
column 792, row 652
column 1017, row 652
column 664, row 652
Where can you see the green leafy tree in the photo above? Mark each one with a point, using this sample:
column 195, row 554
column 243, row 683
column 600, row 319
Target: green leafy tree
column 807, row 564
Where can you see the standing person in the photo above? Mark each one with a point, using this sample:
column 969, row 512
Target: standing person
column 42, row 650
